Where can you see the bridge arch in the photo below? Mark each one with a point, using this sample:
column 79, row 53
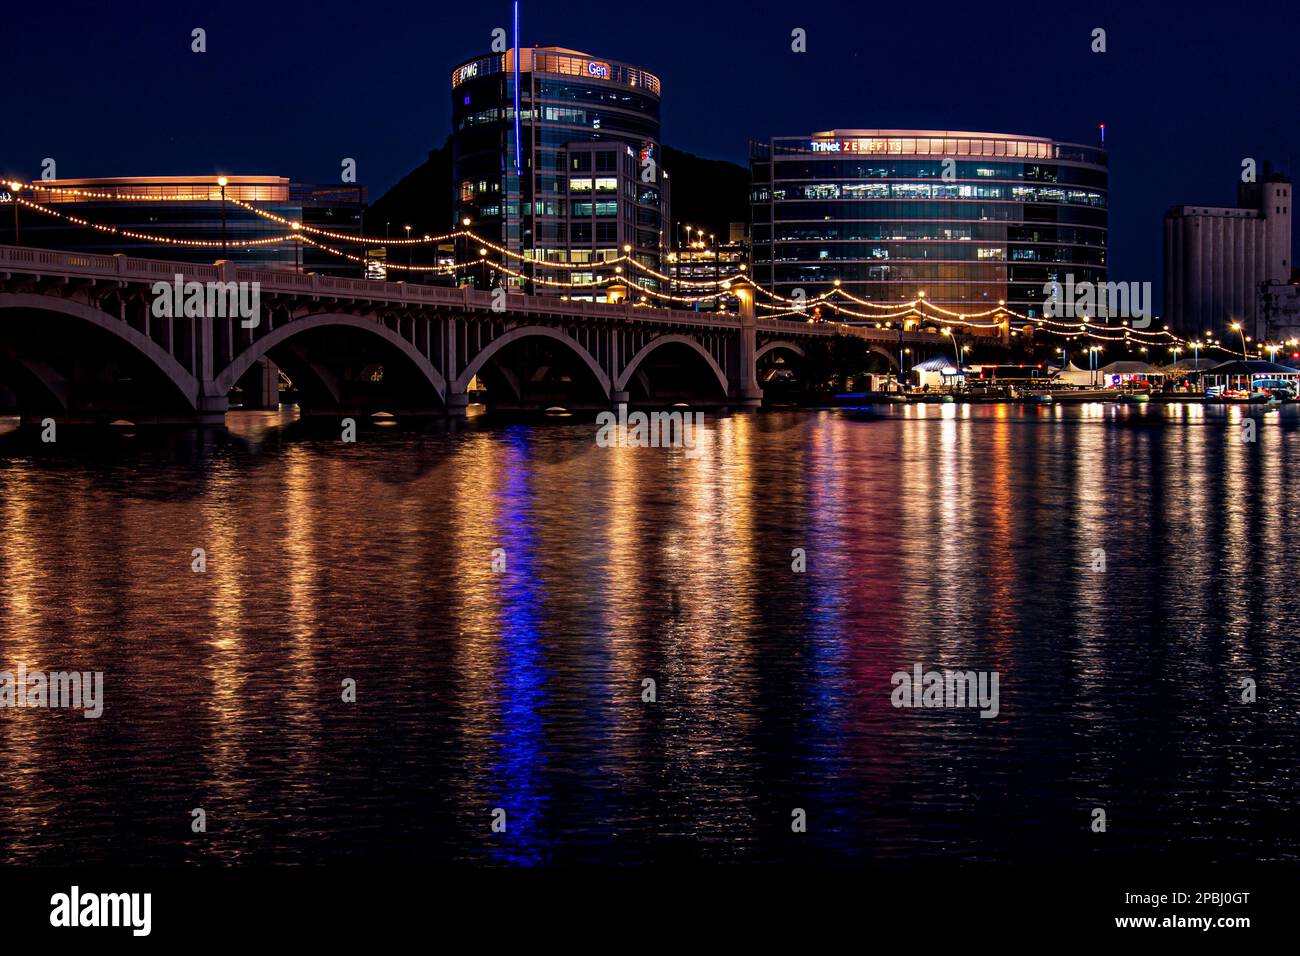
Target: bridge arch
column 773, row 346
column 242, row 362
column 889, row 357
column 179, row 376
column 523, row 332
column 625, row 376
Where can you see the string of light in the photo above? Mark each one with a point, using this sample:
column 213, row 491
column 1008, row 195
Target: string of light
column 146, row 236
column 918, row 307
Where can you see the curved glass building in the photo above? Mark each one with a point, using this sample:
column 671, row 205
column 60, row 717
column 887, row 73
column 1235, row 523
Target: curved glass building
column 968, row 218
column 574, row 176
column 176, row 210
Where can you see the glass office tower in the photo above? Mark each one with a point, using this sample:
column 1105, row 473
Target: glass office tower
column 968, row 218
column 575, row 177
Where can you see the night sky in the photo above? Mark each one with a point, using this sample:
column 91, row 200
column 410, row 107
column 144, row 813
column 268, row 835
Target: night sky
column 291, row 88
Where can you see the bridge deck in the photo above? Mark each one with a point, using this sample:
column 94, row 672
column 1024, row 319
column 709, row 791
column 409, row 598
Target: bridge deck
column 54, row 263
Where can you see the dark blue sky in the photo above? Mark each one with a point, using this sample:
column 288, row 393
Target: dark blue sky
column 291, row 87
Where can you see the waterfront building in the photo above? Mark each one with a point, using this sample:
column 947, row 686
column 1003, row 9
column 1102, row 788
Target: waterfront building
column 177, row 210
column 1226, row 265
column 971, row 219
column 557, row 159
column 701, row 257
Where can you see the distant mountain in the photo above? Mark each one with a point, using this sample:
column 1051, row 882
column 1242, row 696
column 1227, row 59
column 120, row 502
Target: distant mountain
column 420, row 199
column 706, row 193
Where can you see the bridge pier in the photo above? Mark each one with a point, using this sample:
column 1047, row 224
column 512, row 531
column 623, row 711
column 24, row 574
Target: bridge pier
column 745, row 390
column 457, row 404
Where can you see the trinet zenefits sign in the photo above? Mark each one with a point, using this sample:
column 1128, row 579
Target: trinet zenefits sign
column 850, row 146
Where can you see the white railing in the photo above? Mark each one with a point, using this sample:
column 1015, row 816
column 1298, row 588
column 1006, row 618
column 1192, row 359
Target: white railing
column 58, row 263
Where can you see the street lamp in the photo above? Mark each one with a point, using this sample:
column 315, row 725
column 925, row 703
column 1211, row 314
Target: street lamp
column 462, row 250
column 17, row 188
column 222, row 181
column 955, row 349
column 408, row 252
column 1236, row 327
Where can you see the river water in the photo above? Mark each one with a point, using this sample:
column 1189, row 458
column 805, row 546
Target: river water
column 501, row 592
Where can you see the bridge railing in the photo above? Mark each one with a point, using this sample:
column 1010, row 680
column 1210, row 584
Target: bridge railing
column 61, row 263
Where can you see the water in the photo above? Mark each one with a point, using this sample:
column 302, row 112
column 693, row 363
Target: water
column 957, row 536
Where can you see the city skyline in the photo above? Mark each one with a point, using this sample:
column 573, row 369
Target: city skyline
column 540, row 444
column 338, row 107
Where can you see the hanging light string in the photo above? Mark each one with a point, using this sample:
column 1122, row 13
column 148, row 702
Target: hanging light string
column 146, row 236
column 298, row 232
column 126, row 197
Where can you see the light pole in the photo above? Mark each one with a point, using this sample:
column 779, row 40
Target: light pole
column 902, row 330
column 408, row 252
column 631, row 273
column 17, row 188
column 955, row 349
column 221, row 181
column 462, row 248
column 1236, row 327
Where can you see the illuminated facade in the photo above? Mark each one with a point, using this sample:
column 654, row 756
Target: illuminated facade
column 574, row 177
column 971, row 219
column 178, row 210
column 703, row 260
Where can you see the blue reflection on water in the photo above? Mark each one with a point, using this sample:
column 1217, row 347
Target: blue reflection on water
column 517, row 770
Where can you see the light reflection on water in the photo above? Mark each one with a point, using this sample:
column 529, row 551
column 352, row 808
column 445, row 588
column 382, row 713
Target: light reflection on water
column 950, row 536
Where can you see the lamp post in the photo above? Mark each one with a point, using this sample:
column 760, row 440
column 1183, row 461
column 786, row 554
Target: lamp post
column 462, row 247
column 956, row 350
column 225, row 252
column 408, row 252
column 17, row 188
column 1236, row 327
column 902, row 329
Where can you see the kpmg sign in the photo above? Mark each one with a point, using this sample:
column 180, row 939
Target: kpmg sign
column 466, row 72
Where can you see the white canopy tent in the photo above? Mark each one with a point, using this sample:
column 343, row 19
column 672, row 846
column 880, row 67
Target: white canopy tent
column 1073, row 375
column 937, row 372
